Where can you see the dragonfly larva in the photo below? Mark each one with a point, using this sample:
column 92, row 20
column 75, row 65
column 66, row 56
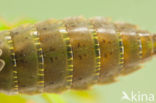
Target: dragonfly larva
column 72, row 53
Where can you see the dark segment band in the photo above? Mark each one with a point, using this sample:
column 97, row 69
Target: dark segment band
column 69, row 68
column 37, row 43
column 13, row 57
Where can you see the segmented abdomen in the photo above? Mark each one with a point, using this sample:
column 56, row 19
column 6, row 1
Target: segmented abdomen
column 56, row 55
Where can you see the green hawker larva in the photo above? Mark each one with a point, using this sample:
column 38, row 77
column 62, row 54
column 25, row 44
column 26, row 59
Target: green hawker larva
column 72, row 53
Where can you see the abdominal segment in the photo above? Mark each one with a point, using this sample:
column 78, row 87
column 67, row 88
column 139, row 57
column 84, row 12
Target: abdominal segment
column 72, row 53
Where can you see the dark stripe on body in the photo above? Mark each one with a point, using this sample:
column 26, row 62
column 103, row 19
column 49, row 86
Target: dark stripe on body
column 13, row 57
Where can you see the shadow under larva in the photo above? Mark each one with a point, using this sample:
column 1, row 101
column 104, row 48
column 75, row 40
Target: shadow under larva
column 72, row 53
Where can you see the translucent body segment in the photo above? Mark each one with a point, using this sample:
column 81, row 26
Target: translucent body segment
column 131, row 49
column 6, row 75
column 84, row 58
column 132, row 53
column 132, row 46
column 147, row 44
column 110, row 49
column 55, row 55
column 27, row 60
